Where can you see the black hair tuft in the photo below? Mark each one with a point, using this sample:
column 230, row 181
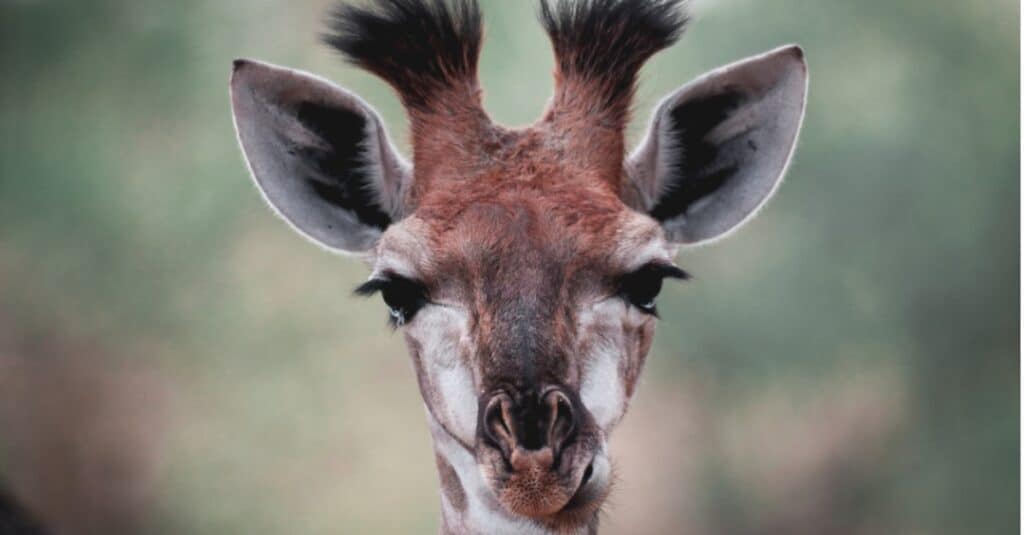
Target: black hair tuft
column 420, row 47
column 606, row 42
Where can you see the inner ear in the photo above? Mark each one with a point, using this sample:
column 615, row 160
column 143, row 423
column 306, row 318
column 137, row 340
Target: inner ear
column 339, row 171
column 688, row 129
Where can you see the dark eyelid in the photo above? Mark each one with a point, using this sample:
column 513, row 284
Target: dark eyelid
column 371, row 287
column 641, row 287
column 664, row 270
column 378, row 284
column 673, row 272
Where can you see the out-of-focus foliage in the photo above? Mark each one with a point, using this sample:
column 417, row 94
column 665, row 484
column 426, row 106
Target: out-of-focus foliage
column 173, row 359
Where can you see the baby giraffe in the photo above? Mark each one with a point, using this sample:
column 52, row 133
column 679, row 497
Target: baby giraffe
column 520, row 264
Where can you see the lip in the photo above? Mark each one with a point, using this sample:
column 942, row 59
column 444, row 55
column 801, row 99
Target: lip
column 593, row 489
column 582, row 495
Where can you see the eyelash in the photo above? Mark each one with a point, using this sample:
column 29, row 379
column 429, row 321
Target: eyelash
column 641, row 287
column 404, row 297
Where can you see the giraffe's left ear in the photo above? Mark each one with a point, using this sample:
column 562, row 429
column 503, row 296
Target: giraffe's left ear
column 717, row 148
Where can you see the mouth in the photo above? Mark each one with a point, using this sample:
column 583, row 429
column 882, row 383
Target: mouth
column 543, row 457
column 555, row 501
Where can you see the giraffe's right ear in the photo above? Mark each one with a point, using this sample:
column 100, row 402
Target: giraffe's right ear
column 319, row 154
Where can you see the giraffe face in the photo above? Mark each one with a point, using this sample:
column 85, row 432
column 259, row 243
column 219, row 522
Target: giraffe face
column 521, row 265
column 528, row 318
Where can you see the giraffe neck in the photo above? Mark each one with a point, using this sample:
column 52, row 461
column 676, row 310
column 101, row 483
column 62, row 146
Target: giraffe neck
column 468, row 507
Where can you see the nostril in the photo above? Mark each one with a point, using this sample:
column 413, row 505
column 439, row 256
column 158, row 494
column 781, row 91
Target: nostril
column 498, row 425
column 561, row 420
column 587, row 474
column 529, row 421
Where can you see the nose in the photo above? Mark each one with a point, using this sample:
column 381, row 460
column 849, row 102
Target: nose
column 544, row 421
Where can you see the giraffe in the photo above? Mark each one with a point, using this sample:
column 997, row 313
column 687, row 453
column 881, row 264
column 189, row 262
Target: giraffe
column 521, row 265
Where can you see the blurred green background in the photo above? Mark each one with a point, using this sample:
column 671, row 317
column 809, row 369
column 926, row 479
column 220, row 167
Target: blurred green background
column 174, row 360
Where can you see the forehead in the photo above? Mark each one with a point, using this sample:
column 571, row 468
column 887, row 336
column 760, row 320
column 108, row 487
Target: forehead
column 521, row 232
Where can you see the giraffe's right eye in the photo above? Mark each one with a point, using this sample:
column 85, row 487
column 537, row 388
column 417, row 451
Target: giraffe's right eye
column 403, row 296
column 642, row 286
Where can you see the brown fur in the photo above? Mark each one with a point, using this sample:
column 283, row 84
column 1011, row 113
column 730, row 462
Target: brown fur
column 524, row 244
column 521, row 249
column 523, row 235
column 525, row 228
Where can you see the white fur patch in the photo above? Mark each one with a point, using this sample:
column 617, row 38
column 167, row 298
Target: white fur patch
column 401, row 249
column 441, row 333
column 641, row 241
column 602, row 391
column 601, row 388
column 455, row 384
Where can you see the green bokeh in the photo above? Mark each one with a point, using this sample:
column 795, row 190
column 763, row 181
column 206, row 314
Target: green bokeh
column 871, row 311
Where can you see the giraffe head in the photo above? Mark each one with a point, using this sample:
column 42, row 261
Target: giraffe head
column 521, row 265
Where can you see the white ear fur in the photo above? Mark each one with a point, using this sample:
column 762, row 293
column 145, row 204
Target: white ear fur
column 319, row 154
column 704, row 180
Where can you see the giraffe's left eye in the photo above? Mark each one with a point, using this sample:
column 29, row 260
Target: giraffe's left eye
column 640, row 288
column 403, row 296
